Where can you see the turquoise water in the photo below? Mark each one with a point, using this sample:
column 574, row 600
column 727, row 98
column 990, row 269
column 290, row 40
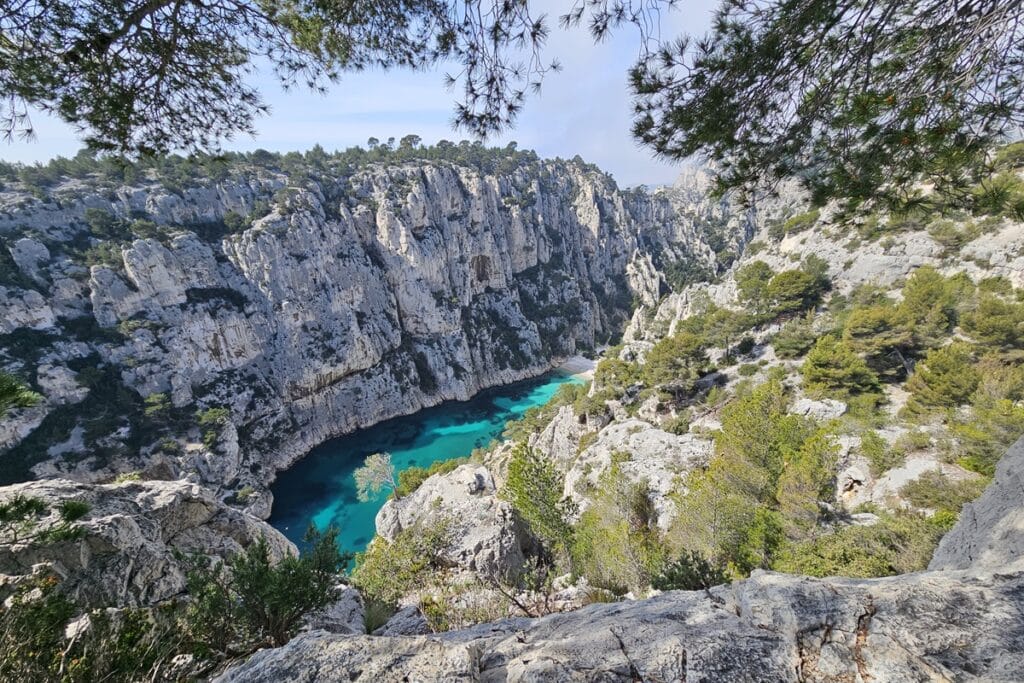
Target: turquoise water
column 320, row 487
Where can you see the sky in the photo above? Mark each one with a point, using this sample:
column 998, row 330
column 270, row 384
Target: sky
column 585, row 109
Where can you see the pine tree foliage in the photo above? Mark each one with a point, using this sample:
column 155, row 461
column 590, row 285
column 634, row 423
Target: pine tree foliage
column 831, row 368
column 534, row 488
column 859, row 99
column 14, row 394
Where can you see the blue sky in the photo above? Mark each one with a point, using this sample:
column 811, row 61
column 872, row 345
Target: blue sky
column 585, row 109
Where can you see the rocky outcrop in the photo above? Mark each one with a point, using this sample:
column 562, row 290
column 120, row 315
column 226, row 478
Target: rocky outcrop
column 960, row 624
column 990, row 532
column 852, row 256
column 769, row 628
column 644, row 455
column 132, row 544
column 412, row 284
column 347, row 614
column 484, row 535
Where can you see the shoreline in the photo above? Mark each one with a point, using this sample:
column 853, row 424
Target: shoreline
column 578, row 366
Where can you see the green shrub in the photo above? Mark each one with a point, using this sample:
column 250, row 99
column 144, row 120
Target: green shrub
column 747, row 369
column 880, row 456
column 675, row 362
column 792, row 291
column 243, row 494
column 411, row 478
column 386, row 571
column 1010, row 156
column 29, row 520
column 832, row 369
column 752, row 281
column 878, row 333
column 996, row 417
column 14, row 394
column 933, row 490
column 680, row 424
column 253, row 602
column 898, row 544
column 806, row 478
column 615, row 374
column 997, row 284
column 690, row 572
column 944, row 379
column 755, row 248
column 914, row 440
column 929, row 307
column 211, row 421
column 534, row 488
column 795, row 338
column 126, row 645
column 586, row 441
column 158, row 406
column 745, row 345
column 616, row 544
column 995, row 322
column 761, row 484
column 999, row 195
column 795, row 224
column 952, row 235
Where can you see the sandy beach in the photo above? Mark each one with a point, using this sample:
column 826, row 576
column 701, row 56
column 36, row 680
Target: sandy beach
column 579, row 366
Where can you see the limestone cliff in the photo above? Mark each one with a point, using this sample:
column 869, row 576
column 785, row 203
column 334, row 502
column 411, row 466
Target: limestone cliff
column 305, row 305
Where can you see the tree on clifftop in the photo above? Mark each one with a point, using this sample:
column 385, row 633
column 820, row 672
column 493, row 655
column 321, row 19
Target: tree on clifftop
column 858, row 98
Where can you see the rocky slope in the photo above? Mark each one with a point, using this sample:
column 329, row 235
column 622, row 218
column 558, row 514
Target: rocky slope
column 654, row 442
column 958, row 621
column 132, row 540
column 304, row 304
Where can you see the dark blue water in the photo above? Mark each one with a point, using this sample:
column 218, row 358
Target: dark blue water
column 320, row 487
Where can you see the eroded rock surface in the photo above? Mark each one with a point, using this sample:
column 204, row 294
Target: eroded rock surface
column 770, row 628
column 990, row 532
column 484, row 534
column 127, row 554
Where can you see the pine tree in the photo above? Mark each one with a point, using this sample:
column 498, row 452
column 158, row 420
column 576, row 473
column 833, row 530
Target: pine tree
column 946, row 378
column 832, row 369
column 534, row 487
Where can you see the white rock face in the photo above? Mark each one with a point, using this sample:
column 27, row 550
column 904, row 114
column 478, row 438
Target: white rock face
column 484, row 534
column 345, row 615
column 407, row 621
column 353, row 300
column 645, row 454
column 560, row 439
column 850, row 261
column 126, row 554
column 885, row 489
column 822, row 411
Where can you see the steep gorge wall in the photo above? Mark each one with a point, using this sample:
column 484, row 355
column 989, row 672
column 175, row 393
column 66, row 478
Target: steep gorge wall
column 348, row 300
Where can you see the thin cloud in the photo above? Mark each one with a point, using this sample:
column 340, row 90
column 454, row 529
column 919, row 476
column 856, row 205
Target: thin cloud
column 585, row 109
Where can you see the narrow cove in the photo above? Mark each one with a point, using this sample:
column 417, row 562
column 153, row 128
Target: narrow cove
column 320, row 487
